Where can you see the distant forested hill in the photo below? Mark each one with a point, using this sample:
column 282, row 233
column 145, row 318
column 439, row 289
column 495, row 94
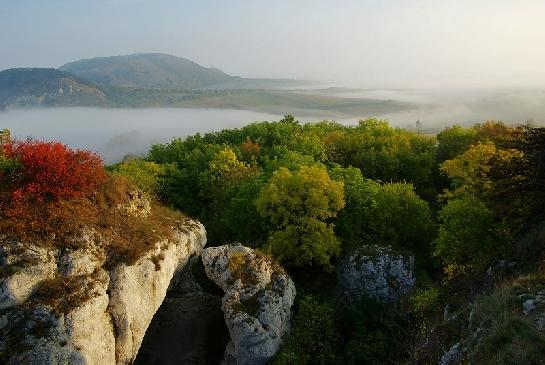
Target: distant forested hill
column 148, row 70
column 24, row 87
column 160, row 80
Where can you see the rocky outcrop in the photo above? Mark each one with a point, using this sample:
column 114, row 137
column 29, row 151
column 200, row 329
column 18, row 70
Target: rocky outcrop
column 377, row 272
column 36, row 333
column 257, row 301
column 68, row 307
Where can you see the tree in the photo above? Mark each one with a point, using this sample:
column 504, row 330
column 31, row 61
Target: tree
column 402, row 219
column 313, row 338
column 469, row 237
column 146, row 175
column 250, row 150
column 454, row 141
column 387, row 214
column 218, row 183
column 298, row 205
column 470, row 171
column 519, row 181
column 241, row 216
column 354, row 223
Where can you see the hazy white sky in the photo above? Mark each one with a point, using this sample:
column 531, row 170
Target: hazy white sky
column 369, row 43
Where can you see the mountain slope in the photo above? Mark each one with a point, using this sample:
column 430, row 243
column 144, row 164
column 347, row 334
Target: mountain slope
column 27, row 87
column 148, row 70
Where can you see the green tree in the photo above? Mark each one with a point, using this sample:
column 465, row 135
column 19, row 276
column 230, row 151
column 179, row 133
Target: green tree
column 387, row 214
column 454, row 141
column 469, row 237
column 402, row 219
column 218, row 184
column 298, row 204
column 354, row 223
column 144, row 174
column 313, row 339
column 241, row 216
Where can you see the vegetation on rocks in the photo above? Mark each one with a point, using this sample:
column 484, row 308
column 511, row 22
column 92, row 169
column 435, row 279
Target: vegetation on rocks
column 468, row 204
column 309, row 194
column 51, row 195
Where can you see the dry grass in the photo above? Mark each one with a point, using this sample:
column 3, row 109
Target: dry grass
column 62, row 294
column 124, row 237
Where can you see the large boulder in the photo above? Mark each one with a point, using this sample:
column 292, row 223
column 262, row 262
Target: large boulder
column 70, row 307
column 377, row 272
column 257, row 301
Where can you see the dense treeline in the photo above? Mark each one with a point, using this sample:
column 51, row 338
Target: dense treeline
column 467, row 203
column 307, row 193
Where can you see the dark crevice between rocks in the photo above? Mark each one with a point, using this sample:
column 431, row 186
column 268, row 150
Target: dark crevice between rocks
column 188, row 327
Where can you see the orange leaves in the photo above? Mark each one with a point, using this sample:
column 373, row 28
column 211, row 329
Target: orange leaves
column 50, row 171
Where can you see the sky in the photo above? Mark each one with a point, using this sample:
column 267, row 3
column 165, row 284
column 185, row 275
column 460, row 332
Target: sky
column 363, row 43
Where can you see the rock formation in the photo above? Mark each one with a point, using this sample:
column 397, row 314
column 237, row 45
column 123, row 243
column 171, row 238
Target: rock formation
column 69, row 307
column 257, row 301
column 377, row 272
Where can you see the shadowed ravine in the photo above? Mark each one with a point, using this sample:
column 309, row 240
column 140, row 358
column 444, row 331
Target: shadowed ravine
column 188, row 329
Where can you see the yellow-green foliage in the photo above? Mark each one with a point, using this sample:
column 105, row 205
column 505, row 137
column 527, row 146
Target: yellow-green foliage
column 309, row 192
column 298, row 205
column 425, row 300
column 144, row 174
column 4, row 136
column 469, row 237
column 226, row 170
column 470, row 171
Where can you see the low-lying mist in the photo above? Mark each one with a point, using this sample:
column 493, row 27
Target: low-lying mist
column 115, row 133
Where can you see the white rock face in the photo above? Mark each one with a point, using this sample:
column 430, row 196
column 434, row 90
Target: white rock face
column 377, row 272
column 256, row 305
column 36, row 264
column 137, row 291
column 84, row 335
column 107, row 324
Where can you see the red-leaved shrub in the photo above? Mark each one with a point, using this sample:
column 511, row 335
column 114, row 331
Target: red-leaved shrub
column 50, row 193
column 50, row 171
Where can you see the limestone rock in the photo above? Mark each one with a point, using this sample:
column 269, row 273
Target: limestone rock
column 24, row 267
column 138, row 204
column 104, row 318
column 137, row 291
column 40, row 333
column 257, row 302
column 377, row 272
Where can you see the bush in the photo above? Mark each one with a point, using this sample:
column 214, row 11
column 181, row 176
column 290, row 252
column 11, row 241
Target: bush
column 313, row 338
column 44, row 171
column 375, row 333
column 144, row 174
column 425, row 301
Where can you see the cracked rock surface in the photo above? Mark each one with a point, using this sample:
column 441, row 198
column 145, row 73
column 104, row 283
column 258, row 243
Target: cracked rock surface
column 377, row 272
column 257, row 303
column 87, row 313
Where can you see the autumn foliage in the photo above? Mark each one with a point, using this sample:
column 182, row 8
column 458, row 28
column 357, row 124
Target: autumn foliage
column 50, row 194
column 45, row 171
column 45, row 185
